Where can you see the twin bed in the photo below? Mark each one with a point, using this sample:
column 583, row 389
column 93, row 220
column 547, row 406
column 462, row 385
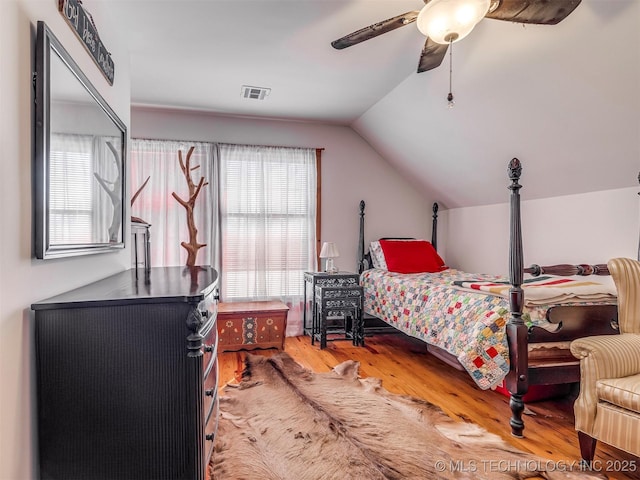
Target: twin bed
column 481, row 323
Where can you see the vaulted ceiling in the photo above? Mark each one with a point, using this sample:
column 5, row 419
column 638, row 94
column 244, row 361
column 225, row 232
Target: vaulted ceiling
column 565, row 99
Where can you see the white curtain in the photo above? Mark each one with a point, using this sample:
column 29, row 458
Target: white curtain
column 267, row 212
column 158, row 159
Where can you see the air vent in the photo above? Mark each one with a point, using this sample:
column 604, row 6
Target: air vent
column 256, row 93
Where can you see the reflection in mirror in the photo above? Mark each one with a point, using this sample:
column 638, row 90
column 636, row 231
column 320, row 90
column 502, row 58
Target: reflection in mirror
column 80, row 151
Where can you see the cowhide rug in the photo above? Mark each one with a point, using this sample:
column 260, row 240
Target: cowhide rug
column 285, row 422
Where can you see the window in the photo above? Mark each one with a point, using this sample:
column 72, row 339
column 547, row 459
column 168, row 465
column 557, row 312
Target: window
column 268, row 220
column 70, row 181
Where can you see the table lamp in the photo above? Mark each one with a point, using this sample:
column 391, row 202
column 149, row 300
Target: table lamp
column 329, row 251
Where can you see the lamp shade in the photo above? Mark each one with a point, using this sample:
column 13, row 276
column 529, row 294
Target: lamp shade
column 445, row 21
column 329, row 250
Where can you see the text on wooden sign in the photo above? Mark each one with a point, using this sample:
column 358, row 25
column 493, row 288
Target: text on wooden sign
column 83, row 26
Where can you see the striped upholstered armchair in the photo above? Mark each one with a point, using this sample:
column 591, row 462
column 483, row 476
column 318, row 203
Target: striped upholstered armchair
column 608, row 407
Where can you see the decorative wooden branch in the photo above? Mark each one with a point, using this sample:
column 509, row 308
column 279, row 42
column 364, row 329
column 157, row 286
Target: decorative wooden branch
column 566, row 270
column 193, row 246
column 135, row 196
column 115, row 194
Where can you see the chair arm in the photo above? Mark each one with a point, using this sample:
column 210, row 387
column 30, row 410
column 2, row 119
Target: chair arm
column 604, row 356
column 610, row 356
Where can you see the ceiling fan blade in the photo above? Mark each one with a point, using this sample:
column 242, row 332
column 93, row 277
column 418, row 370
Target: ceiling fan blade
column 376, row 29
column 432, row 55
column 542, row 12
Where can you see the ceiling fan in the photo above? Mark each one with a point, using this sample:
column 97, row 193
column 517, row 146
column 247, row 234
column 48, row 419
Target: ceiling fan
column 447, row 21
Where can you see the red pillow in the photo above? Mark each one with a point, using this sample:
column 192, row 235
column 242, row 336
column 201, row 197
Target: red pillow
column 411, row 256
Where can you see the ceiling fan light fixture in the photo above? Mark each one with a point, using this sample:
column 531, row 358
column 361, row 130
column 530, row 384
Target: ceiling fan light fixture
column 448, row 21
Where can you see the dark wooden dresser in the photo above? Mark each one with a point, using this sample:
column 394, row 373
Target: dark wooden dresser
column 127, row 376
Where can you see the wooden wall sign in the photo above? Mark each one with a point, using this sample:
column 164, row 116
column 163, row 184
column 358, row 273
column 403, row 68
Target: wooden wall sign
column 82, row 23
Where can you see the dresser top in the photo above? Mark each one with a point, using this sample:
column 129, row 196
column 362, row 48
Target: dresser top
column 160, row 285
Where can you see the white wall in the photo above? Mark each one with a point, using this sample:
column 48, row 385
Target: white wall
column 561, row 98
column 583, row 228
column 24, row 280
column 351, row 171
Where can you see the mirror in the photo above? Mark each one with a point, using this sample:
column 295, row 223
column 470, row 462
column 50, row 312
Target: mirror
column 79, row 165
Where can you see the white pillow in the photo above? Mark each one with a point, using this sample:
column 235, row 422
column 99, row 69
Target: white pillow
column 377, row 256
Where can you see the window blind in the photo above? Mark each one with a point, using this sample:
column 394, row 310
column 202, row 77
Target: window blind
column 70, row 180
column 268, row 220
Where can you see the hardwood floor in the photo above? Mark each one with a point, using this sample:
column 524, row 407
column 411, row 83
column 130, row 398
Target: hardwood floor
column 405, row 368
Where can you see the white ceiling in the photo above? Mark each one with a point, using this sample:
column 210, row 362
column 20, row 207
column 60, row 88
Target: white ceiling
column 563, row 98
column 198, row 54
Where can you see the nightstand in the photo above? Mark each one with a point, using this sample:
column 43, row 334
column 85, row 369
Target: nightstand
column 313, row 279
column 333, row 302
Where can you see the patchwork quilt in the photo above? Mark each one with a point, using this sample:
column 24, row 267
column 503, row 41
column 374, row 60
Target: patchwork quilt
column 465, row 322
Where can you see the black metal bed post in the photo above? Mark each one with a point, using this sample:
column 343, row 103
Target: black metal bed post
column 517, row 380
column 434, row 226
column 361, row 267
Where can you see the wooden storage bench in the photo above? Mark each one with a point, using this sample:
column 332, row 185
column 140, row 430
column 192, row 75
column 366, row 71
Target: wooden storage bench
column 251, row 325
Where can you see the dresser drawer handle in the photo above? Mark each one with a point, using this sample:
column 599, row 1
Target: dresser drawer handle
column 210, row 437
column 210, row 392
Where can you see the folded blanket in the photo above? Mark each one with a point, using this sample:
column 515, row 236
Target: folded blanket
column 546, row 290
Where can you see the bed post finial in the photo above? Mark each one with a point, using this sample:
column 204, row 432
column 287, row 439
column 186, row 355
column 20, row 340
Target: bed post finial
column 515, row 170
column 515, row 246
column 518, row 378
column 361, row 267
column 434, row 227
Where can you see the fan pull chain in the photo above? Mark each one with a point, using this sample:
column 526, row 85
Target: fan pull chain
column 450, row 101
